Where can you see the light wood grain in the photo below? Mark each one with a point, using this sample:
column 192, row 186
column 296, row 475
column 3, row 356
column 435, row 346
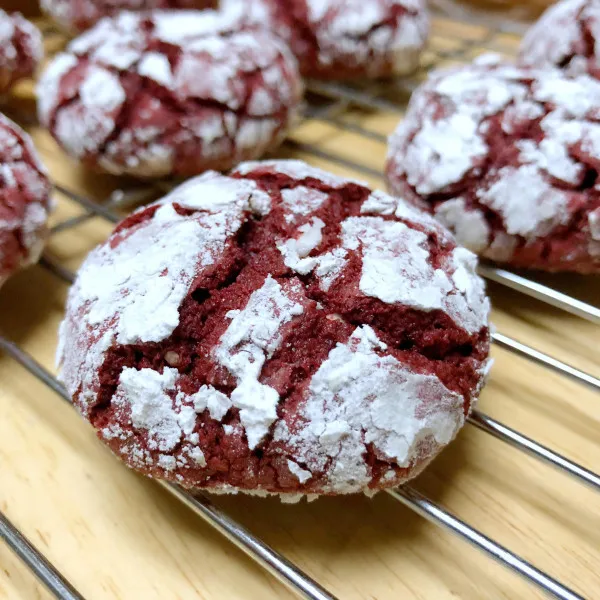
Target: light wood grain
column 117, row 535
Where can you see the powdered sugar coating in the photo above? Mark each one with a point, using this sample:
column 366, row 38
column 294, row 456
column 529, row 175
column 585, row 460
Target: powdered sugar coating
column 24, row 200
column 566, row 37
column 140, row 299
column 126, row 97
column 78, row 15
column 253, row 336
column 21, row 49
column 506, row 158
column 297, row 169
column 358, row 397
column 396, row 268
column 342, row 39
column 200, row 357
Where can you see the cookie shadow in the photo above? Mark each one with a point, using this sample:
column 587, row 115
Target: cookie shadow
column 339, row 527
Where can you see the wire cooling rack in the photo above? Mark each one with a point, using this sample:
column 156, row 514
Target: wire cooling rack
column 336, row 106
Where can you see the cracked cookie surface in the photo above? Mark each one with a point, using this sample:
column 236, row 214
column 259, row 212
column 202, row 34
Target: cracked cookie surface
column 280, row 330
column 79, row 15
column 170, row 93
column 21, row 49
column 506, row 157
column 24, row 200
column 344, row 39
column 566, row 37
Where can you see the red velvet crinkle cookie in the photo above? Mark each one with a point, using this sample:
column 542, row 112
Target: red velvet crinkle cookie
column 24, row 200
column 508, row 159
column 344, row 39
column 21, row 49
column 279, row 330
column 566, row 36
column 78, row 15
column 170, row 93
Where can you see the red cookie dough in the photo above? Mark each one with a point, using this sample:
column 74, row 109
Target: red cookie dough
column 508, row 159
column 21, row 49
column 78, row 15
column 24, row 200
column 170, row 93
column 279, row 330
column 345, row 39
column 566, row 36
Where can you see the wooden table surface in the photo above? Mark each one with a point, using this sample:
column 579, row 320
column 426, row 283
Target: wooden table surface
column 115, row 534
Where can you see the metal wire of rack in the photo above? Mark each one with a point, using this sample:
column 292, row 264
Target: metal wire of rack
column 328, row 103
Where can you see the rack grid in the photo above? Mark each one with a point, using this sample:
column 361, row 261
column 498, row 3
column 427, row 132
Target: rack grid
column 364, row 111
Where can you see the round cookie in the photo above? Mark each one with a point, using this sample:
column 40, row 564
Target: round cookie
column 345, row 39
column 169, row 93
column 21, row 49
column 566, row 36
column 24, row 200
column 280, row 330
column 507, row 158
column 78, row 15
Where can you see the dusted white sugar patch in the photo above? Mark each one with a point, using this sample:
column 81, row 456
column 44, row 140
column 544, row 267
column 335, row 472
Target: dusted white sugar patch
column 395, row 261
column 145, row 393
column 9, row 141
column 442, row 150
column 301, row 201
column 48, row 86
column 469, row 225
column 503, row 246
column 25, row 196
column 153, row 404
column 594, row 225
column 208, row 42
column 326, row 266
column 301, row 474
column 396, row 267
column 358, row 398
column 21, row 48
column 518, row 114
column 254, row 334
column 131, row 292
column 217, row 403
column 253, row 132
column 468, row 306
column 310, row 238
column 380, row 203
column 554, row 37
column 442, row 153
column 7, row 30
column 298, row 170
column 85, row 126
column 197, row 456
column 102, row 90
column 219, row 194
column 364, row 32
column 375, row 36
column 462, row 104
column 145, row 295
column 528, row 204
column 296, row 250
column 576, row 96
column 479, row 93
column 156, row 66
